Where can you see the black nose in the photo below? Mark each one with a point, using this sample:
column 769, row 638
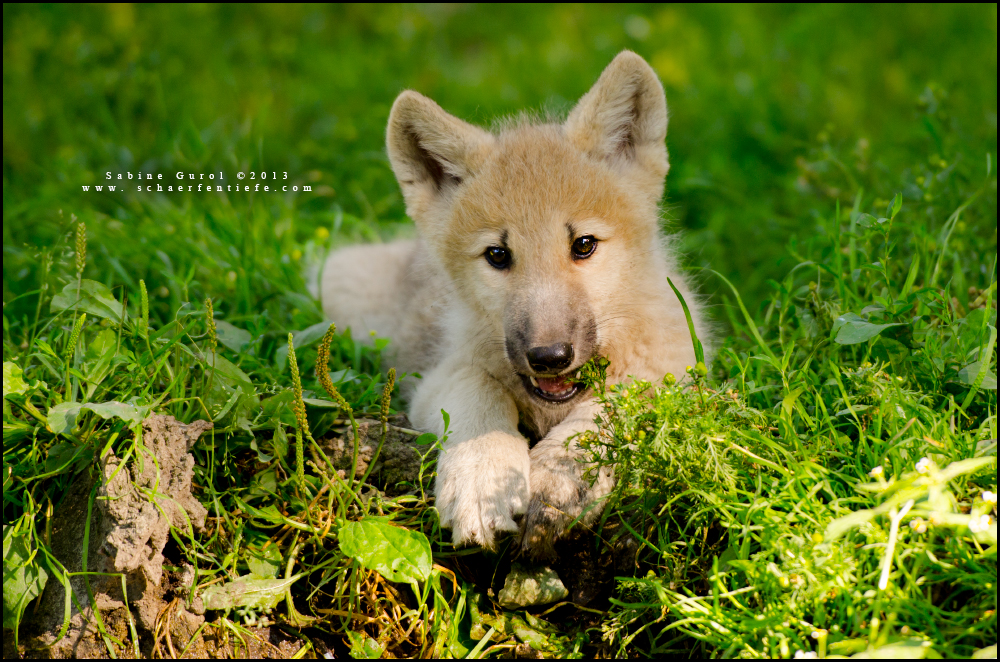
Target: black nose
column 551, row 358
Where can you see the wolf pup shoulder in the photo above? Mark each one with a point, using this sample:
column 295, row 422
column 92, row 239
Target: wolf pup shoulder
column 539, row 248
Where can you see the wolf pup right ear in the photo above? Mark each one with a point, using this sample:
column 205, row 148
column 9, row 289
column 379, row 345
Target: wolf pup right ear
column 431, row 152
column 622, row 121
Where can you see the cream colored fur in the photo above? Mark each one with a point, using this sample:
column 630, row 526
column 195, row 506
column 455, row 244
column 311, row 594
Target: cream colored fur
column 463, row 323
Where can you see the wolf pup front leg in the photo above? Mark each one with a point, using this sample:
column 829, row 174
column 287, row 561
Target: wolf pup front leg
column 563, row 485
column 483, row 469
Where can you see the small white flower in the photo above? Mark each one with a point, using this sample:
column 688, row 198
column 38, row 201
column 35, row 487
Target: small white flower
column 918, row 525
column 977, row 524
column 990, row 497
column 876, row 472
column 805, row 655
column 924, row 465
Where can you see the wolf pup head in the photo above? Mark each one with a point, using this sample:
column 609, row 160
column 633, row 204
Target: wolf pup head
column 541, row 226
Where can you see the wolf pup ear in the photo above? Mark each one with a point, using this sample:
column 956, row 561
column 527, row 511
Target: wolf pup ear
column 623, row 121
column 431, row 152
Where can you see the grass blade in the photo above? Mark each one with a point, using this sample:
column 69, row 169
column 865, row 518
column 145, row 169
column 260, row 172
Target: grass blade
column 699, row 350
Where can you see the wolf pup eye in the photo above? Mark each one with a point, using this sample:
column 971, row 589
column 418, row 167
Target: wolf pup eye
column 584, row 247
column 498, row 257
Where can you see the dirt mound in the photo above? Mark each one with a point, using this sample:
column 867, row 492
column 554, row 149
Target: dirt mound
column 133, row 502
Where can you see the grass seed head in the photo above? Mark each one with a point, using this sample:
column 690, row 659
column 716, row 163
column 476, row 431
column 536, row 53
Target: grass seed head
column 213, row 339
column 299, row 409
column 387, row 393
column 81, row 247
column 74, row 336
column 323, row 368
column 298, row 406
column 323, row 353
column 144, row 307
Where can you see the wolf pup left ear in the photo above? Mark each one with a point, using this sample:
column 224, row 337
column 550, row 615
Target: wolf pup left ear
column 431, row 152
column 622, row 120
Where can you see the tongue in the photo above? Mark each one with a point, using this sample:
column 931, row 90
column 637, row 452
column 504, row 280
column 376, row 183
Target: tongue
column 554, row 385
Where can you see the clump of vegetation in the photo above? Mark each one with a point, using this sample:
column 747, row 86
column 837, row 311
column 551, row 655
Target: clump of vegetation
column 824, row 484
column 833, row 489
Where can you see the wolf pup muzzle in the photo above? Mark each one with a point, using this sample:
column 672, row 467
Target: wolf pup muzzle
column 551, row 360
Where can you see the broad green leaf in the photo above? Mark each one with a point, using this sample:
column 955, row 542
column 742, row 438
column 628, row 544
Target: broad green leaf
column 867, row 220
column 425, row 439
column 92, row 298
column 848, row 646
column 850, row 329
column 13, row 380
column 278, row 409
column 264, row 564
column 247, row 591
column 99, row 357
column 963, row 467
column 227, row 379
column 397, row 554
column 911, row 276
column 62, row 417
column 228, row 372
column 911, row 649
column 23, row 581
column 60, row 455
column 103, row 344
column 300, row 339
column 218, row 413
column 112, row 409
column 988, row 653
column 324, row 404
column 311, row 334
column 894, row 206
column 891, row 351
column 47, row 349
column 268, row 513
column 231, row 336
column 970, row 373
column 364, row 647
column 338, row 377
column 788, row 402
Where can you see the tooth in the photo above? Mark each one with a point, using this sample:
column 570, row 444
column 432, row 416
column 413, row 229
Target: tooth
column 534, row 382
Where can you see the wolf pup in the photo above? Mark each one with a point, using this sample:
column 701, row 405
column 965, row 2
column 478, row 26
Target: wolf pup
column 539, row 248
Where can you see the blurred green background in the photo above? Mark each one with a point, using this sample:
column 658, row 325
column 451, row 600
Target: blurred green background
column 777, row 112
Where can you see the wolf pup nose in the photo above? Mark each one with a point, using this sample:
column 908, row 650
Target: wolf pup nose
column 539, row 247
column 551, row 358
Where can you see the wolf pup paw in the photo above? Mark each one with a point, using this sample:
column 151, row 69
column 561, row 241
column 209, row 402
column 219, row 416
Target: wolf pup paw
column 558, row 496
column 482, row 485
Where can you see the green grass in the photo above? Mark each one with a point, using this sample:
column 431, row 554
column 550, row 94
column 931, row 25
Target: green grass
column 820, row 488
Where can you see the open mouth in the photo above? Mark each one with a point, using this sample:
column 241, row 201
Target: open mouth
column 560, row 388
